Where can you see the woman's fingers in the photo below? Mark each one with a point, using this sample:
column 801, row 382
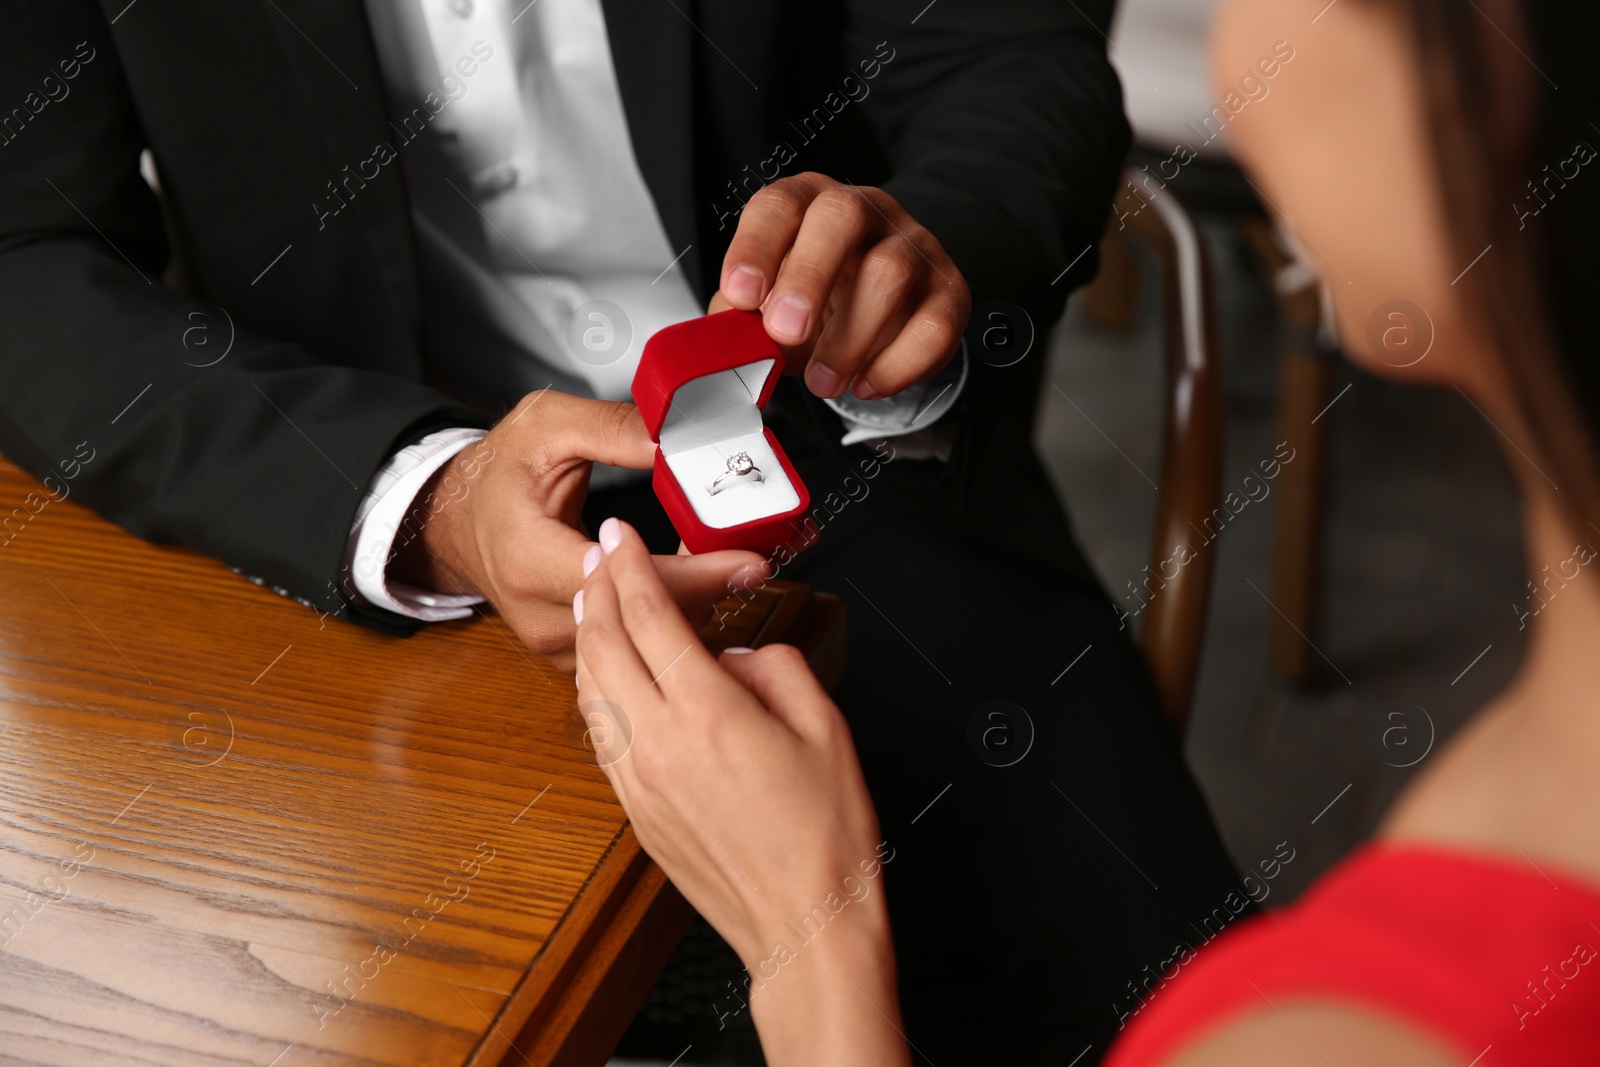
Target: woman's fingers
column 663, row 639
column 606, row 652
column 781, row 679
column 608, row 734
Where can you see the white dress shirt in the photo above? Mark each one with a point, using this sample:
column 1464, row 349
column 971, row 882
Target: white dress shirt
column 529, row 208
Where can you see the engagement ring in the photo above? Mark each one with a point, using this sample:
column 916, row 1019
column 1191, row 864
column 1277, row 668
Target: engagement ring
column 740, row 465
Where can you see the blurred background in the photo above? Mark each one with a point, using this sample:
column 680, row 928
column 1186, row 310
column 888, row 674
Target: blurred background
column 1350, row 630
column 1419, row 562
column 1420, row 567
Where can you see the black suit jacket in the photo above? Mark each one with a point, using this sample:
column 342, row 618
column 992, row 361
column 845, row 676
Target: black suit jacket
column 998, row 125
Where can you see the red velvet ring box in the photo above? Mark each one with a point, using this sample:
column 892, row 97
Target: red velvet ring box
column 700, row 387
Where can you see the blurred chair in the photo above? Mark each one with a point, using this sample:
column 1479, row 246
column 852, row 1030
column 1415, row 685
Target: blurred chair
column 1305, row 391
column 1192, row 445
column 1159, row 48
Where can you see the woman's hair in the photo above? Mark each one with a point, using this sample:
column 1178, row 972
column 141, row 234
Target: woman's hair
column 1509, row 90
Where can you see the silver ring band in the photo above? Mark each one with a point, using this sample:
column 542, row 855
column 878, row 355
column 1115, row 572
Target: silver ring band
column 740, row 466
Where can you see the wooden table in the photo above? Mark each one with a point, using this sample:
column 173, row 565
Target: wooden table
column 233, row 832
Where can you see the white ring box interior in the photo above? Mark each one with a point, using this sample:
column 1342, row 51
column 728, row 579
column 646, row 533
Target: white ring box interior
column 711, row 418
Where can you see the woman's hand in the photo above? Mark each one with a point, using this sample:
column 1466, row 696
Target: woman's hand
column 741, row 780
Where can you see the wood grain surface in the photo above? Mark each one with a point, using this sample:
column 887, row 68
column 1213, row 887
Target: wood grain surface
column 235, row 832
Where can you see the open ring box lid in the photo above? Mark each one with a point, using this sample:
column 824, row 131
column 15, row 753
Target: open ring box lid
column 700, row 388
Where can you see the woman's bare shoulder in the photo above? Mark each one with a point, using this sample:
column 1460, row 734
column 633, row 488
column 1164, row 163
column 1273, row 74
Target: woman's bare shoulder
column 1314, row 1033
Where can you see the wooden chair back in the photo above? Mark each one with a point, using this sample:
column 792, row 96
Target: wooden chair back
column 1181, row 557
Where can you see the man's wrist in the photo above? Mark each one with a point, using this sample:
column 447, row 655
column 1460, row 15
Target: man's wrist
column 430, row 556
column 402, row 496
column 912, row 417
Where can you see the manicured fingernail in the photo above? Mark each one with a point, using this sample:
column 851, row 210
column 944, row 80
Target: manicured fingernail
column 740, row 651
column 863, row 391
column 789, row 317
column 610, row 535
column 821, row 380
column 577, row 607
column 591, row 560
column 744, row 287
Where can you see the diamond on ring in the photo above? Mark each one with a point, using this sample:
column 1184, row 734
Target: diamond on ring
column 740, row 465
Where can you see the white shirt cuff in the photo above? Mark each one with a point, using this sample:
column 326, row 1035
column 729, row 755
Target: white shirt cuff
column 912, row 411
column 382, row 512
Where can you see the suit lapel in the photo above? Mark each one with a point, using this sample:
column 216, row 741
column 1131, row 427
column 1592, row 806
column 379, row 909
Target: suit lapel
column 328, row 47
column 652, row 49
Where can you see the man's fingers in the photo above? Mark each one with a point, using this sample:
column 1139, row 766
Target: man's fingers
column 869, row 316
column 926, row 343
column 767, row 228
column 544, row 563
column 698, row 582
column 833, row 229
column 782, row 680
column 572, row 429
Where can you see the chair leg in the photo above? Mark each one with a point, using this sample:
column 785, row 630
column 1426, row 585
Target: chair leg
column 1305, row 378
column 1111, row 301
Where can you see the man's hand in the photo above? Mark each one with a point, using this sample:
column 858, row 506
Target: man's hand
column 509, row 527
column 847, row 280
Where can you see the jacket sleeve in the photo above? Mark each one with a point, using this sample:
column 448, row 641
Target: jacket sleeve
column 1003, row 124
column 258, row 458
column 1004, row 128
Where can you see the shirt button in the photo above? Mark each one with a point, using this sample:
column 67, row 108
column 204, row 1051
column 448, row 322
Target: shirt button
column 462, row 8
column 497, row 179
